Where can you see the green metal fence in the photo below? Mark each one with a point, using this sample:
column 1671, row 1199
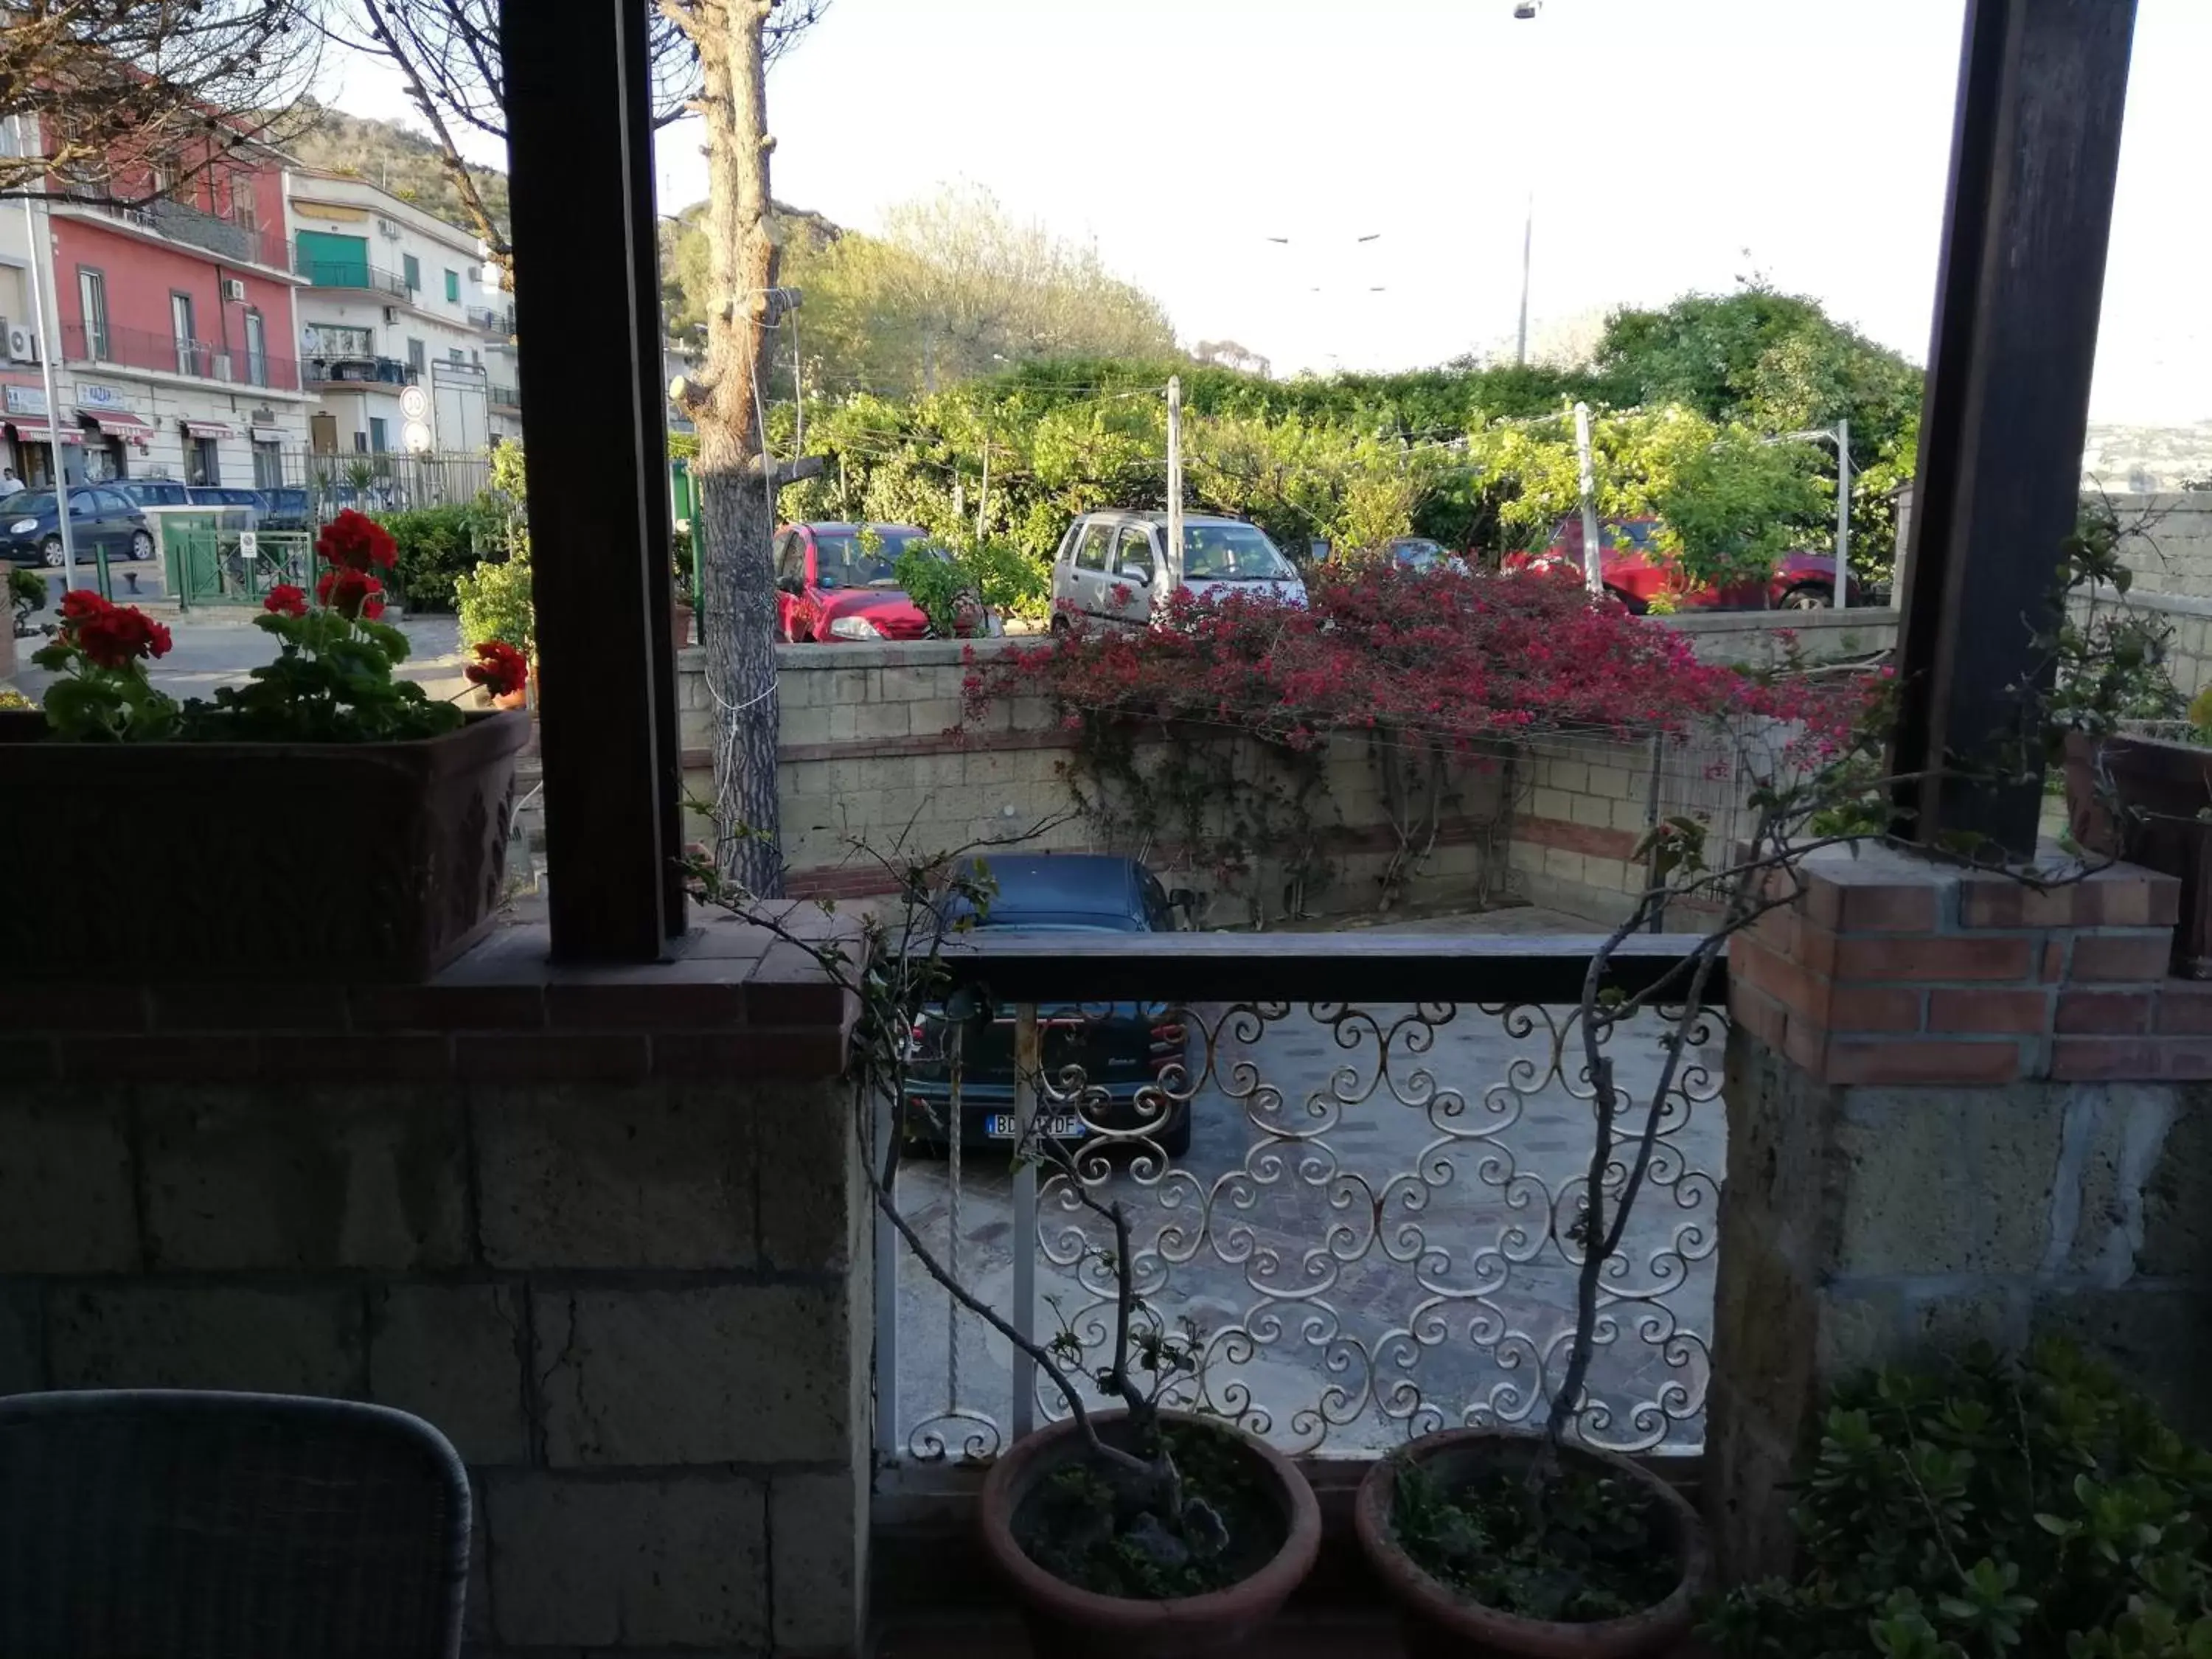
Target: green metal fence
column 207, row 561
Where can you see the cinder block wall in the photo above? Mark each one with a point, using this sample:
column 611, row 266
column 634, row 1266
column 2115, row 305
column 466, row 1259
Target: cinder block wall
column 608, row 1234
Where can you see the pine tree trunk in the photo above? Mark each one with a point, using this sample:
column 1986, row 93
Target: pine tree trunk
column 737, row 610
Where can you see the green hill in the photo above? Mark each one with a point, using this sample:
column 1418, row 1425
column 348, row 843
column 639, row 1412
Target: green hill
column 396, row 158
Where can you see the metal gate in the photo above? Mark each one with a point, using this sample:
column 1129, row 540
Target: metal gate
column 208, row 562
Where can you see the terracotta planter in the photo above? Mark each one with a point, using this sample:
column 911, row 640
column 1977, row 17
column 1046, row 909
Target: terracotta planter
column 2162, row 791
column 1437, row 1622
column 1070, row 1623
column 269, row 863
column 679, row 625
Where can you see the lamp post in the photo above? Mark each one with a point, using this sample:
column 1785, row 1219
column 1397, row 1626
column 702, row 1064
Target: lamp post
column 1524, row 12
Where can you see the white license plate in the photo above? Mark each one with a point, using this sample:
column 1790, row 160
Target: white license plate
column 1004, row 1125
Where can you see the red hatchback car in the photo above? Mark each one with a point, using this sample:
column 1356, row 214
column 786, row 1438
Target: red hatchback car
column 833, row 582
column 1635, row 573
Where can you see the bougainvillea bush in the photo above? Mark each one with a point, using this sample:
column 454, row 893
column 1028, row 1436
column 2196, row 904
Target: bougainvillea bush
column 1460, row 660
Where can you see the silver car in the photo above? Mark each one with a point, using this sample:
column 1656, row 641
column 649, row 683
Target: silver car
column 1111, row 567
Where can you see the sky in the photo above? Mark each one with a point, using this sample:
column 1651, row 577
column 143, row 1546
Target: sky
column 1667, row 145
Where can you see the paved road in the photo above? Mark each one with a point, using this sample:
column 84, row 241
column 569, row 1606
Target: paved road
column 220, row 647
column 1398, row 1252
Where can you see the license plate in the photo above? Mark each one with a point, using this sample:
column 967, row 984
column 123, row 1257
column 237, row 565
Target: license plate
column 1004, row 1125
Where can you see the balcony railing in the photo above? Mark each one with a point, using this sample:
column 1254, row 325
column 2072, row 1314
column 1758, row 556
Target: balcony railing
column 1374, row 1222
column 351, row 273
column 503, row 396
column 245, row 244
column 138, row 348
column 492, row 320
column 371, row 371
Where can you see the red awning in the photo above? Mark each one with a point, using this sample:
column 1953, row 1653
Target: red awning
column 206, row 429
column 37, row 432
column 121, row 421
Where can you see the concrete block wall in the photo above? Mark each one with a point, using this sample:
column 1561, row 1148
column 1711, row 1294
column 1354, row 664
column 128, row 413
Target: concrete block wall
column 1959, row 1110
column 609, row 1233
column 2173, row 554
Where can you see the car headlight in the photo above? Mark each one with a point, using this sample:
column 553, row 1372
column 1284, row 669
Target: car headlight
column 22, row 526
column 854, row 628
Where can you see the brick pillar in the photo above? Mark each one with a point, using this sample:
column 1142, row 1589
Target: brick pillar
column 1958, row 1108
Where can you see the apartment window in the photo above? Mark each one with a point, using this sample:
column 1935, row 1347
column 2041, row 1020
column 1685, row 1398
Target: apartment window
column 203, row 461
column 417, row 359
column 256, row 349
column 219, row 195
column 411, row 268
column 268, row 466
column 454, row 355
column 452, row 287
column 245, row 211
column 378, row 442
column 92, row 296
column 180, row 324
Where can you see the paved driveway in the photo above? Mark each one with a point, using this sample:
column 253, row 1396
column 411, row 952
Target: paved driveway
column 1366, row 1232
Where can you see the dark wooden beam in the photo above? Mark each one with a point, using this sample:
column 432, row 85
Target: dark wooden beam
column 579, row 138
column 2034, row 152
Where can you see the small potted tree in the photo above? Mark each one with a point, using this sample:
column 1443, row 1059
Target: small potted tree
column 1137, row 1532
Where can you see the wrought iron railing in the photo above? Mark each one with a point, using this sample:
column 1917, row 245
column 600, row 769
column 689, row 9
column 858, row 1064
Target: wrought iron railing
column 139, row 348
column 327, row 272
column 1373, row 1224
column 213, row 233
column 493, row 320
column 370, row 371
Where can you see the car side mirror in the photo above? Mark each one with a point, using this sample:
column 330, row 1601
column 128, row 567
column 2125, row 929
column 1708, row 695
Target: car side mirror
column 790, row 584
column 1139, row 575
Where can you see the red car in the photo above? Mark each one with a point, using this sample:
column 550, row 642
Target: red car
column 1635, row 573
column 840, row 581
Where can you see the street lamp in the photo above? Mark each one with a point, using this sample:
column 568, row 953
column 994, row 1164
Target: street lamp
column 1524, row 11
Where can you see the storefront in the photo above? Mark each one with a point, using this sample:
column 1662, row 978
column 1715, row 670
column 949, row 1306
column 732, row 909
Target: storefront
column 116, row 437
column 204, row 451
column 30, row 440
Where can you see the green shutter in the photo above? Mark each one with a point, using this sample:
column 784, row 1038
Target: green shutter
column 411, row 270
column 453, row 286
column 333, row 261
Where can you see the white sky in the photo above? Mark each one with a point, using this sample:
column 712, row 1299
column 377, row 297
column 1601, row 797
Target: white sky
column 1669, row 144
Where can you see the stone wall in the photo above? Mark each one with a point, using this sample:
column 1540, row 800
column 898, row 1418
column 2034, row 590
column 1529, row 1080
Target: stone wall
column 1958, row 1108
column 2171, row 553
column 607, row 1231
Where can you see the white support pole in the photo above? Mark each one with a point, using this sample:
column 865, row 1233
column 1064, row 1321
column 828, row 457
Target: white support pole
column 42, row 262
column 1842, row 512
column 1174, row 473
column 1592, row 554
column 1029, row 1064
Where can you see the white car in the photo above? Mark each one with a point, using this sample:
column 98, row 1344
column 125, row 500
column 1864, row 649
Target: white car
column 1111, row 567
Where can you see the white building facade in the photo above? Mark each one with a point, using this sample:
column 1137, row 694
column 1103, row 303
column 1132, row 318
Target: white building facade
column 396, row 299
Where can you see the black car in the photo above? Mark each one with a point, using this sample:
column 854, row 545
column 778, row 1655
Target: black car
column 151, row 492
column 101, row 522
column 287, row 509
column 1132, row 1054
column 233, row 498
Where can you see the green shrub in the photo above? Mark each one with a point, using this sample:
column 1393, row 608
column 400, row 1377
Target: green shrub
column 26, row 591
column 494, row 603
column 440, row 544
column 2033, row 1508
column 1008, row 581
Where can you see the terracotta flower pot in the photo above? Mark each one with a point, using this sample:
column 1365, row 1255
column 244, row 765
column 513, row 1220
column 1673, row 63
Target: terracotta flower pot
column 1438, row 1622
column 1071, row 1623
column 2162, row 791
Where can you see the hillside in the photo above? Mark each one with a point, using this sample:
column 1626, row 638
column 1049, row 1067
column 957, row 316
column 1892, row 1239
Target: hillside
column 397, row 159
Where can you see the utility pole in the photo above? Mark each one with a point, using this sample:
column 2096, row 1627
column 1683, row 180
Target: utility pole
column 1174, row 473
column 42, row 259
column 1592, row 555
column 1842, row 512
column 983, row 500
column 1528, row 241
column 798, row 389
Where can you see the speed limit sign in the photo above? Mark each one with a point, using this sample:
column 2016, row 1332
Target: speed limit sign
column 414, row 404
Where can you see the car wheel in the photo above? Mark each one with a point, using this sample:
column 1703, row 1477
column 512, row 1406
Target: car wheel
column 51, row 550
column 1808, row 599
column 142, row 545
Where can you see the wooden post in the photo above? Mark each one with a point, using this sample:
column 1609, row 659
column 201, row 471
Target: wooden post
column 579, row 115
column 2034, row 151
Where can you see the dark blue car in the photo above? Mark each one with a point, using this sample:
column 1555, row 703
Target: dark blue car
column 1127, row 1050
column 102, row 521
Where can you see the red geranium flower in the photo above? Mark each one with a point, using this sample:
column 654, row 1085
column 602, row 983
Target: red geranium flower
column 354, row 541
column 501, row 670
column 286, row 601
column 350, row 592
column 111, row 636
column 80, row 604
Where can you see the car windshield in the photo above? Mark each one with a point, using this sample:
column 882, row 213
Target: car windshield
column 31, row 503
column 846, row 561
column 1231, row 553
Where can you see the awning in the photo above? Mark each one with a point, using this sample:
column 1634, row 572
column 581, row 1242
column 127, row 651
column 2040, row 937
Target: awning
column 121, row 423
column 206, row 429
column 37, row 432
column 267, row 435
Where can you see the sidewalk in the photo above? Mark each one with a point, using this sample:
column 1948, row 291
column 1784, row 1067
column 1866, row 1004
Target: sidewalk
column 220, row 646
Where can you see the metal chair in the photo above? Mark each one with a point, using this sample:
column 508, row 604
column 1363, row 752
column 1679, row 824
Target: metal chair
column 162, row 1524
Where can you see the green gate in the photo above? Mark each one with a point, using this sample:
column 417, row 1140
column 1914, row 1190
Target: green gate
column 209, row 562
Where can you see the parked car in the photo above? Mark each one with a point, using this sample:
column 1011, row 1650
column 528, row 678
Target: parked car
column 288, row 510
column 232, row 497
column 1420, row 553
column 1635, row 573
column 840, row 581
column 102, row 521
column 152, row 492
column 1126, row 1049
column 1109, row 567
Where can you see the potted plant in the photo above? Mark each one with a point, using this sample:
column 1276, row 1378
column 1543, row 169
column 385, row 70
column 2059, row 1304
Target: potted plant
column 682, row 605
column 381, row 813
column 1137, row 1532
